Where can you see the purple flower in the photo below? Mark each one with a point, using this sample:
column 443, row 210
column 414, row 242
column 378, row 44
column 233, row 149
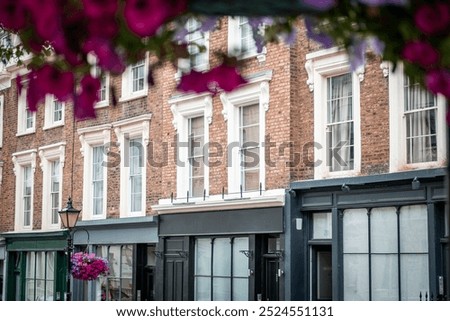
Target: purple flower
column 56, row 82
column 108, row 59
column 433, row 18
column 208, row 24
column 100, row 8
column 84, row 106
column 321, row 5
column 358, row 50
column 438, row 82
column 312, row 33
column 421, row 53
column 144, row 17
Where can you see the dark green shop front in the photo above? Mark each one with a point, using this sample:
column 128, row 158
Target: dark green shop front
column 36, row 266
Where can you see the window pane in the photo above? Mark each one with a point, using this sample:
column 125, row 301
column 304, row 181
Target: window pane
column 421, row 136
column 114, row 260
column 202, row 288
column 356, row 231
column 203, row 256
column 414, row 229
column 414, row 275
column 246, row 36
column 240, row 289
column 221, row 289
column 356, row 277
column 384, row 277
column 222, row 257
column 251, row 180
column 240, row 261
column 383, row 229
column 322, row 226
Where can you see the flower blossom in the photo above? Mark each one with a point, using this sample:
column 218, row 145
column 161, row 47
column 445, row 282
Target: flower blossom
column 438, row 82
column 433, row 18
column 421, row 53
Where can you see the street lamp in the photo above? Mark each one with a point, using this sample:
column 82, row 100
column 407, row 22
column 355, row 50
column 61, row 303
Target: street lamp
column 69, row 218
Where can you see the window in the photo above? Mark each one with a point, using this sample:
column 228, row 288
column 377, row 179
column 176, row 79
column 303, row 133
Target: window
column 245, row 111
column 240, row 38
column 40, row 276
column 54, row 112
column 24, row 167
column 118, row 285
column 134, row 80
column 382, row 247
column 340, row 125
column 249, row 147
column 418, row 126
column 95, row 141
column 192, row 117
column 336, row 113
column 197, row 39
column 221, row 269
column 103, row 93
column 133, row 135
column 26, row 119
column 196, row 157
column 52, row 161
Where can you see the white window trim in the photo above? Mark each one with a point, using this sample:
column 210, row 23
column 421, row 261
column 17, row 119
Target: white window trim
column 128, row 129
column 104, row 103
column 21, row 116
column 184, row 108
column 48, row 122
column 127, row 92
column 91, row 137
column 397, row 131
column 49, row 154
column 257, row 91
column 2, row 102
column 21, row 159
column 320, row 65
column 234, row 44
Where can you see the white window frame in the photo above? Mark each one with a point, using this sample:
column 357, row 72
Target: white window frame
column 397, row 128
column 91, row 137
column 183, row 109
column 104, row 102
column 256, row 92
column 320, row 65
column 2, row 103
column 22, row 116
column 127, row 82
column 49, row 112
column 48, row 154
column 137, row 127
column 21, row 160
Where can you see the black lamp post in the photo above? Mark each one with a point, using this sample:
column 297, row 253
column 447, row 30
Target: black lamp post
column 69, row 218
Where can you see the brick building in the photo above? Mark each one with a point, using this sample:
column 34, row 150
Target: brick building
column 257, row 194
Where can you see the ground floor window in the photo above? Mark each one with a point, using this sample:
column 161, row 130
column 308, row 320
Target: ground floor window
column 221, row 269
column 385, row 253
column 40, row 276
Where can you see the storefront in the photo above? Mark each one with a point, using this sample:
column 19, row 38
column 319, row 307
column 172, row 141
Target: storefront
column 221, row 255
column 380, row 237
column 129, row 245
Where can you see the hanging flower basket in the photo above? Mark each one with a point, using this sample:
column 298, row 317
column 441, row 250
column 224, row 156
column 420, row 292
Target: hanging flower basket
column 87, row 266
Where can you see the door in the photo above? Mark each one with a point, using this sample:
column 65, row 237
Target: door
column 321, row 273
column 272, row 279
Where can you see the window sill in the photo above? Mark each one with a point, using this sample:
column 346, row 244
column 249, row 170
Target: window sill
column 101, row 104
column 46, row 127
column 26, row 133
column 141, row 94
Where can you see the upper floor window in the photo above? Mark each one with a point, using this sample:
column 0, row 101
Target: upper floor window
column 133, row 135
column 103, row 93
column 94, row 141
column 52, row 162
column 240, row 38
column 24, row 167
column 54, row 112
column 134, row 80
column 417, row 131
column 192, row 117
column 245, row 111
column 26, row 120
column 337, row 133
column 197, row 45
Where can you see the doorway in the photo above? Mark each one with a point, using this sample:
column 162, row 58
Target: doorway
column 321, row 273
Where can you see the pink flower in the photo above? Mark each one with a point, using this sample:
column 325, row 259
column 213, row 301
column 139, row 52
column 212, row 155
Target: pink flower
column 46, row 16
column 223, row 77
column 12, row 14
column 104, row 27
column 100, row 8
column 433, row 18
column 85, row 101
column 55, row 82
column 144, row 17
column 438, row 82
column 108, row 59
column 421, row 53
column 34, row 93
